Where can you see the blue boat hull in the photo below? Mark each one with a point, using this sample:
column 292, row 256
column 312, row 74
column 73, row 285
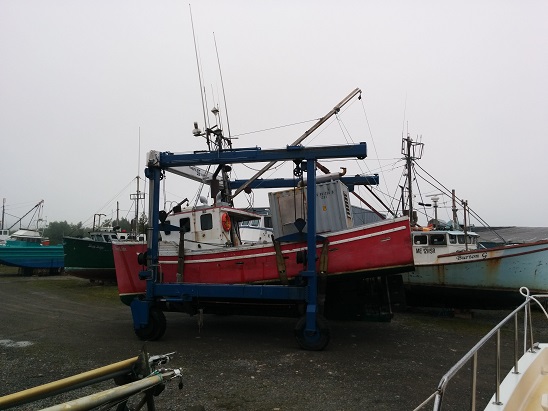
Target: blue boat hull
column 473, row 276
column 51, row 256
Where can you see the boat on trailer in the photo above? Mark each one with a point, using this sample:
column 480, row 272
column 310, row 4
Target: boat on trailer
column 195, row 259
column 525, row 386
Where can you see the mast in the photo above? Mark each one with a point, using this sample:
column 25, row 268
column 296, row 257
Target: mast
column 412, row 150
column 36, row 206
column 409, row 181
column 454, row 209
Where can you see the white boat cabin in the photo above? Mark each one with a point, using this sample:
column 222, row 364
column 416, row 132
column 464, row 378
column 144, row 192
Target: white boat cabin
column 110, row 234
column 208, row 227
column 4, row 235
column 428, row 245
column 27, row 237
column 257, row 231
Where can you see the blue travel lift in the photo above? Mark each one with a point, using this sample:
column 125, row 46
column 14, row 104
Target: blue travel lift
column 311, row 331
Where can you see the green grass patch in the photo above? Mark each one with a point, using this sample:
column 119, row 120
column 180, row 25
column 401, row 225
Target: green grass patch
column 83, row 290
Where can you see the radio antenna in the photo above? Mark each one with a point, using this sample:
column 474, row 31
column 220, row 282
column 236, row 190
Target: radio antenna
column 223, row 88
column 198, row 66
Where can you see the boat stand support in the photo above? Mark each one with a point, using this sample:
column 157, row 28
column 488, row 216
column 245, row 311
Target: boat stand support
column 312, row 330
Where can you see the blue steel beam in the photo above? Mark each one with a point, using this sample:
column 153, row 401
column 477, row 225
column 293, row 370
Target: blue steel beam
column 255, row 155
column 185, row 292
column 291, row 182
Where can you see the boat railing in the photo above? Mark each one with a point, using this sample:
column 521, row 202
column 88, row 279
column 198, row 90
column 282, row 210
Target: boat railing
column 472, row 356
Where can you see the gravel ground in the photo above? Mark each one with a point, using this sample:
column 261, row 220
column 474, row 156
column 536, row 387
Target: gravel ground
column 55, row 327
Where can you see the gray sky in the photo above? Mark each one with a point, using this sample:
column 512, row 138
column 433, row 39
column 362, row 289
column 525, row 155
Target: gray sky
column 79, row 79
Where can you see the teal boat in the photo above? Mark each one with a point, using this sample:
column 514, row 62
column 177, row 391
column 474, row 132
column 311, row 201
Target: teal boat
column 29, row 250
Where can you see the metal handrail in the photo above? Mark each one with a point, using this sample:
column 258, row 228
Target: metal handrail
column 473, row 353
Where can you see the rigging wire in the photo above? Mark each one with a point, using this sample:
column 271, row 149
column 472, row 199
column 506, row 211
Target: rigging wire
column 449, row 193
column 274, row 128
column 374, row 145
column 348, row 137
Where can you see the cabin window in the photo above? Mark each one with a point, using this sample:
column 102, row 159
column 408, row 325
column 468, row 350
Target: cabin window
column 254, row 223
column 461, row 239
column 245, row 223
column 452, row 239
column 107, row 238
column 420, row 239
column 268, row 222
column 438, row 239
column 206, row 222
column 184, row 223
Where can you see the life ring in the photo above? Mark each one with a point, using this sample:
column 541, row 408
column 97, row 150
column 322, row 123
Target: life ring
column 227, row 224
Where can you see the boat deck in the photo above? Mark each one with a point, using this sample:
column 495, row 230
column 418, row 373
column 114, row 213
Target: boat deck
column 524, row 391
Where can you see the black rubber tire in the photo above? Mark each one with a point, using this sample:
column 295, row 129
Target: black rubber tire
column 155, row 328
column 316, row 341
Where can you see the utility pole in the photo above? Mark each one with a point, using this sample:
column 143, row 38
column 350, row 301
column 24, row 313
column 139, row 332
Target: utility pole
column 3, row 211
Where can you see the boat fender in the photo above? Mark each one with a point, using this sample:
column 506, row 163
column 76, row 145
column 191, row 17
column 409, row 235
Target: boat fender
column 227, row 224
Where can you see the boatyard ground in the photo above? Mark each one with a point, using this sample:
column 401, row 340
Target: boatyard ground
column 55, row 327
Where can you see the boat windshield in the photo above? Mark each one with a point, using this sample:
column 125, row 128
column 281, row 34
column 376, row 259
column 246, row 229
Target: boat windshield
column 461, row 238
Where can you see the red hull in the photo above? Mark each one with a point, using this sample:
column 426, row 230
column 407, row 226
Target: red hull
column 376, row 249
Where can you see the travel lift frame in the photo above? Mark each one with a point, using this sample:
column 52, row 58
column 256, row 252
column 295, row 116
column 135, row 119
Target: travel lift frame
column 311, row 331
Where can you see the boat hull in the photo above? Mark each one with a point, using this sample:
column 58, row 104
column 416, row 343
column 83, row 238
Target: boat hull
column 51, row 256
column 89, row 259
column 480, row 278
column 378, row 249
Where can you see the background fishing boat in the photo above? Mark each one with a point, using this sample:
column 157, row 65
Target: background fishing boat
column 91, row 257
column 454, row 268
column 29, row 250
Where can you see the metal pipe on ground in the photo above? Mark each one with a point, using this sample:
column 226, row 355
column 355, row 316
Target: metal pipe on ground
column 67, row 384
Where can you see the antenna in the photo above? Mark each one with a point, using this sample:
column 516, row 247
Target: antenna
column 223, row 88
column 198, row 66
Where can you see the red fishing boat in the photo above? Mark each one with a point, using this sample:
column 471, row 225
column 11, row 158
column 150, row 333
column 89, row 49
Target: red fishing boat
column 377, row 249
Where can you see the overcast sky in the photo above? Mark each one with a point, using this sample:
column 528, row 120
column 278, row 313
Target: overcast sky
column 80, row 81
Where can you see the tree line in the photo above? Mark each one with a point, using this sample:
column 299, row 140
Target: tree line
column 56, row 230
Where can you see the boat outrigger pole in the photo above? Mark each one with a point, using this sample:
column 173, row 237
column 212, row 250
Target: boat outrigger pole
column 322, row 120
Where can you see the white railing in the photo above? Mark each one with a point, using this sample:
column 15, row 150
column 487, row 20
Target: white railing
column 472, row 356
